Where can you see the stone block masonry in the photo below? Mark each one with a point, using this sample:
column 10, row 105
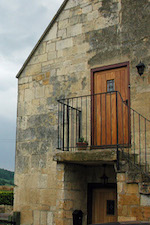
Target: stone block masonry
column 132, row 206
column 70, row 190
column 85, row 35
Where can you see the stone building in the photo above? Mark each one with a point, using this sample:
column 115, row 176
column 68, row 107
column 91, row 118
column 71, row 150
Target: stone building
column 81, row 81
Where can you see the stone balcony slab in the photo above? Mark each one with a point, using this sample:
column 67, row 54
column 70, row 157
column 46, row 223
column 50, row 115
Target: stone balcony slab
column 87, row 157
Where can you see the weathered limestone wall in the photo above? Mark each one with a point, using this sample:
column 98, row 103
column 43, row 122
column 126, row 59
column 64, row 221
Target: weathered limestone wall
column 87, row 34
column 133, row 204
column 72, row 191
column 73, row 183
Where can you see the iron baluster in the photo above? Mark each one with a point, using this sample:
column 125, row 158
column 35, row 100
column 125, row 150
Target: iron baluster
column 122, row 125
column 101, row 115
column 79, row 124
column 111, row 116
column 81, row 120
column 134, row 135
column 117, row 131
column 128, row 110
column 63, row 126
column 58, row 128
column 145, row 149
column 140, row 139
column 92, row 119
column 77, row 121
column 95, row 120
column 72, row 129
column 68, row 125
column 61, row 118
column 86, row 118
column 105, row 120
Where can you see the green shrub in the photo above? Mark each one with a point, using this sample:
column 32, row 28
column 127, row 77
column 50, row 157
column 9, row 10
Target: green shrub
column 6, row 197
column 6, row 182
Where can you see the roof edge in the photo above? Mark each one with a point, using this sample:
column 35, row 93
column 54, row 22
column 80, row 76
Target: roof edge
column 42, row 37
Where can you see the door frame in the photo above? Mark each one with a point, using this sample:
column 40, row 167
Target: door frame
column 92, row 186
column 104, row 68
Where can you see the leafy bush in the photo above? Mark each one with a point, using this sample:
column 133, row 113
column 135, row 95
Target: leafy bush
column 6, row 197
column 6, row 182
column 6, row 177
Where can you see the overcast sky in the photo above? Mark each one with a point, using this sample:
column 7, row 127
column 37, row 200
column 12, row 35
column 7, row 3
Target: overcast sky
column 22, row 22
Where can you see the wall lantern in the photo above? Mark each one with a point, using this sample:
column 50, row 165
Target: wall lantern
column 140, row 68
column 104, row 178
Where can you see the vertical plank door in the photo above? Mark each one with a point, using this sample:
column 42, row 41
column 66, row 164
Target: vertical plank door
column 104, row 207
column 106, row 83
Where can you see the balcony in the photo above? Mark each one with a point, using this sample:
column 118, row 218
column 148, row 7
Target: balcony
column 104, row 121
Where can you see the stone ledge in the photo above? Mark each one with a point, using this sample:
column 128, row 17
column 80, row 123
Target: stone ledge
column 86, row 156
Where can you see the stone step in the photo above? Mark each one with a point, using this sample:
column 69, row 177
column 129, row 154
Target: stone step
column 135, row 173
column 125, row 155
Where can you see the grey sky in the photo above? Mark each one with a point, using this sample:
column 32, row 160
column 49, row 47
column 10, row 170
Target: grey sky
column 22, row 22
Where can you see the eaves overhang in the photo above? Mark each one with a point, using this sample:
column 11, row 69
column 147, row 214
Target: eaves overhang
column 42, row 37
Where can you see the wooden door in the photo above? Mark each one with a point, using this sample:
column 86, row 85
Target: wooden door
column 111, row 97
column 104, row 206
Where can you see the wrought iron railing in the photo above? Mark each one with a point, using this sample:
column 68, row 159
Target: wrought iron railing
column 104, row 120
